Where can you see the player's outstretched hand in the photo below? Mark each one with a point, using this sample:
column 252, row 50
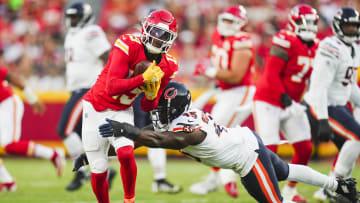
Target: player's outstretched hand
column 80, row 161
column 324, row 133
column 117, row 129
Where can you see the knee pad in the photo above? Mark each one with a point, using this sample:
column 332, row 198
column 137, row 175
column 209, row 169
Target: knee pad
column 99, row 166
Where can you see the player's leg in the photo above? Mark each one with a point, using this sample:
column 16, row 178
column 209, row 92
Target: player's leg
column 125, row 152
column 343, row 123
column 11, row 113
column 296, row 130
column 156, row 156
column 96, row 149
column 7, row 182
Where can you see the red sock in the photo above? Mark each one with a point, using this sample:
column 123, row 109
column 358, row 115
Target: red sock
column 100, row 186
column 302, row 155
column 128, row 170
column 23, row 147
column 215, row 169
column 273, row 147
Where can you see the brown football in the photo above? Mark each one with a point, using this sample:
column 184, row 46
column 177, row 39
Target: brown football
column 141, row 67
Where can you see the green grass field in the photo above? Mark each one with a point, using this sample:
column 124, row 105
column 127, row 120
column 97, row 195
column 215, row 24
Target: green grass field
column 37, row 182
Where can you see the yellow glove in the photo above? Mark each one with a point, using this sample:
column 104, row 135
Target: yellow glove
column 152, row 73
column 151, row 89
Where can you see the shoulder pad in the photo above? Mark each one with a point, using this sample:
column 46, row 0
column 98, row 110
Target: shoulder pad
column 242, row 42
column 328, row 48
column 282, row 39
column 92, row 31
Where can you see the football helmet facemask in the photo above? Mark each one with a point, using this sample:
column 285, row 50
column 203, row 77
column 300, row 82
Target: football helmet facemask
column 346, row 16
column 82, row 11
column 303, row 21
column 232, row 20
column 159, row 31
column 174, row 101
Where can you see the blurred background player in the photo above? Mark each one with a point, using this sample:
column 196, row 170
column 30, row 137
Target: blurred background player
column 115, row 91
column 281, row 86
column 232, row 59
column 86, row 52
column 156, row 156
column 7, row 182
column 11, row 114
column 332, row 84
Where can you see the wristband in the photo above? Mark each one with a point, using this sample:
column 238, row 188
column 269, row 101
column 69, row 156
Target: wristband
column 211, row 72
column 29, row 95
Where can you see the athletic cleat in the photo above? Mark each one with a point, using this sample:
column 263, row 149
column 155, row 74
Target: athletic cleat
column 320, row 195
column 163, row 185
column 290, row 193
column 111, row 176
column 209, row 184
column 346, row 188
column 58, row 160
column 8, row 187
column 79, row 179
column 231, row 189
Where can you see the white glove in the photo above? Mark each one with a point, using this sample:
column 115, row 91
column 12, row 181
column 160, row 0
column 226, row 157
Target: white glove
column 295, row 109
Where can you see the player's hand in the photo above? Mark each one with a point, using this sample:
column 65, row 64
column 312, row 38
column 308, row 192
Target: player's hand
column 324, row 133
column 118, row 129
column 152, row 74
column 38, row 108
column 80, row 161
column 295, row 109
column 151, row 89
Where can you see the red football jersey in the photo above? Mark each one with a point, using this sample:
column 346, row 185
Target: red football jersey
column 5, row 90
column 116, row 88
column 221, row 55
column 292, row 76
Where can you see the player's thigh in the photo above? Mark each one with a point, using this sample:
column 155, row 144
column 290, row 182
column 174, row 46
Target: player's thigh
column 11, row 113
column 343, row 123
column 127, row 116
column 226, row 103
column 267, row 122
column 296, row 128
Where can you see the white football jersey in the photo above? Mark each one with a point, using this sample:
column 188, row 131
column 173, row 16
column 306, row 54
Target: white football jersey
column 83, row 47
column 230, row 148
column 333, row 80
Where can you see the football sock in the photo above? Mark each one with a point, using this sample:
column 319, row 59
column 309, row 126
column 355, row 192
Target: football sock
column 302, row 155
column 23, row 147
column 100, row 186
column 347, row 157
column 305, row 174
column 5, row 176
column 128, row 170
column 157, row 158
column 73, row 144
column 43, row 151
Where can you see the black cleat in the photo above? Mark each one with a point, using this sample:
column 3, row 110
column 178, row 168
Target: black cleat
column 163, row 185
column 345, row 193
column 79, row 179
column 111, row 175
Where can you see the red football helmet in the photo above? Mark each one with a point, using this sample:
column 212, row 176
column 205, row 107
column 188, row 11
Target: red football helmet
column 232, row 20
column 159, row 31
column 303, row 21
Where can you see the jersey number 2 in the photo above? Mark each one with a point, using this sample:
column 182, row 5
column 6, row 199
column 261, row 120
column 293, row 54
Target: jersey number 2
column 305, row 62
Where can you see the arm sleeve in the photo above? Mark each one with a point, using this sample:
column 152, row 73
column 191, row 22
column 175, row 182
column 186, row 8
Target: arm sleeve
column 97, row 41
column 355, row 91
column 274, row 66
column 320, row 80
column 116, row 82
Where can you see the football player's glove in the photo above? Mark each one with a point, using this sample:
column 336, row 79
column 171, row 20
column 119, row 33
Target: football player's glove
column 151, row 89
column 324, row 133
column 80, row 161
column 117, row 129
column 152, row 74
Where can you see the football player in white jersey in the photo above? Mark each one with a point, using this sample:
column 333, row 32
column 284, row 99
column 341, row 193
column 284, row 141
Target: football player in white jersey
column 86, row 52
column 332, row 85
column 196, row 134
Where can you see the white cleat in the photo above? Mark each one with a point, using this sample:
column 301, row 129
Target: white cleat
column 209, row 184
column 164, row 186
column 320, row 195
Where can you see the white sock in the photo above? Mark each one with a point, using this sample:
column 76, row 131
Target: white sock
column 227, row 176
column 347, row 157
column 43, row 152
column 5, row 176
column 73, row 145
column 305, row 174
column 157, row 158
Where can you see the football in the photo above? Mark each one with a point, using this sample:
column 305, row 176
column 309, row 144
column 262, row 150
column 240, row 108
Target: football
column 141, row 67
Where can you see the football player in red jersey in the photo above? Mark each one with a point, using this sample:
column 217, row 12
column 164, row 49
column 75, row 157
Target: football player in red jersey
column 232, row 59
column 115, row 91
column 11, row 114
column 280, row 88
